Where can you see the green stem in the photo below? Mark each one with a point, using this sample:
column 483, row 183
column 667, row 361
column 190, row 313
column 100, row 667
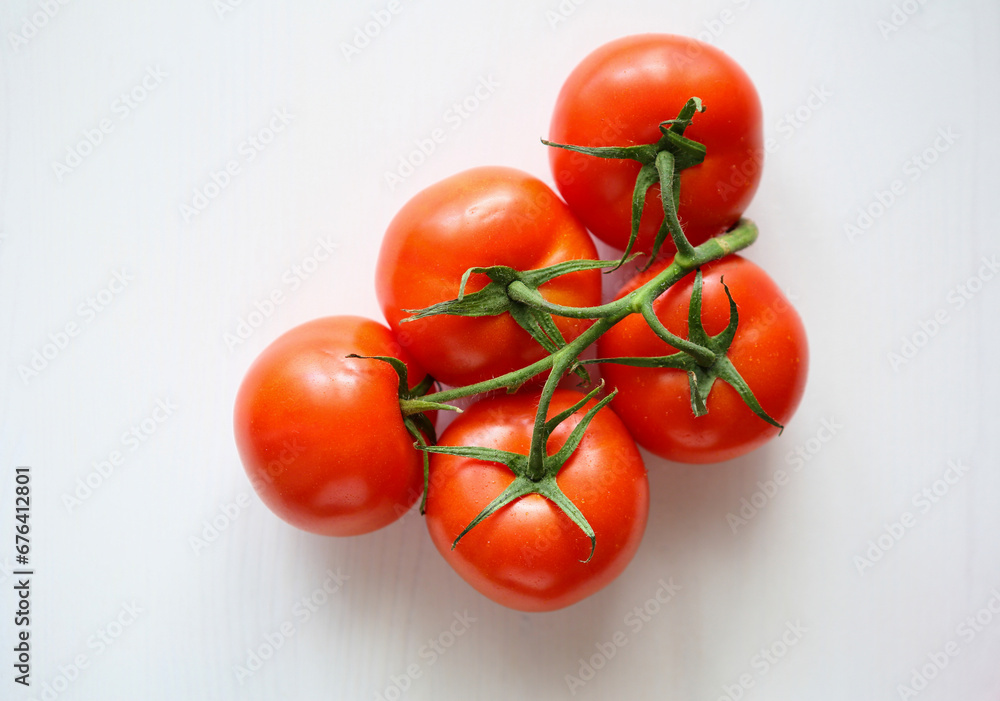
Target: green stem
column 701, row 354
column 519, row 292
column 539, row 434
column 669, row 195
column 744, row 234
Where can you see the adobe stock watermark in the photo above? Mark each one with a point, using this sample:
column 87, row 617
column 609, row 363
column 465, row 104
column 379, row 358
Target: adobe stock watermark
column 774, row 311
column 290, row 281
column 302, row 611
column 130, row 440
column 366, row 33
column 717, row 25
column 958, row 296
column 122, row 107
column 562, row 12
column 900, row 15
column 539, row 205
column 923, row 501
column 767, row 490
column 430, row 652
column 97, row 644
column 87, row 312
column 453, row 119
column 579, row 163
column 922, row 674
column 225, row 515
column 635, row 620
column 32, row 24
column 913, row 169
column 228, row 512
column 764, row 660
column 787, row 126
column 247, row 152
column 224, row 7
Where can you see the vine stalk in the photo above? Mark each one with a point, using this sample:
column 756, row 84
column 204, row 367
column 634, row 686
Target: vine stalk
column 606, row 316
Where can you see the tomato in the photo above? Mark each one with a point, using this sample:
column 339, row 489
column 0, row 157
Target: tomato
column 321, row 436
column 617, row 96
column 769, row 351
column 529, row 555
column 480, row 217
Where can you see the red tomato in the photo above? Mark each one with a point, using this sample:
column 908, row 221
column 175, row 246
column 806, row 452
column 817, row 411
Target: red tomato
column 477, row 218
column 321, row 436
column 618, row 96
column 529, row 555
column 769, row 351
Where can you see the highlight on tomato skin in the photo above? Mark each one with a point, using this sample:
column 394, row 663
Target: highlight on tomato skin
column 481, row 217
column 617, row 96
column 529, row 555
column 321, row 436
column 770, row 351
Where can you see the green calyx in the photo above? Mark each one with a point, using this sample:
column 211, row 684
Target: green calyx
column 515, row 292
column 704, row 367
column 661, row 164
column 525, row 482
column 412, row 406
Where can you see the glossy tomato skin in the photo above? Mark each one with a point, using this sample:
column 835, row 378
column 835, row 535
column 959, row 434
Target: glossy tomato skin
column 770, row 351
column 617, row 96
column 321, row 436
column 529, row 555
column 480, row 217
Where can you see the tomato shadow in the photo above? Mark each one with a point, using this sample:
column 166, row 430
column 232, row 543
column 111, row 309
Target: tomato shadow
column 405, row 606
column 700, row 536
column 654, row 614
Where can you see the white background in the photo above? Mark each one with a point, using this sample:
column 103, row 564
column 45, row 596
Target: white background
column 200, row 611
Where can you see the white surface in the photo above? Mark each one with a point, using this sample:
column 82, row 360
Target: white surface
column 323, row 178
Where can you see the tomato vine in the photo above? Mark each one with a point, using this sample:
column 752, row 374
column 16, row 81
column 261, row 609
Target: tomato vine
column 695, row 369
column 516, row 292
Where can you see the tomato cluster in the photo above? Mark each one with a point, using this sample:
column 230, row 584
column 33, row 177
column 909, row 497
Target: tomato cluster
column 538, row 496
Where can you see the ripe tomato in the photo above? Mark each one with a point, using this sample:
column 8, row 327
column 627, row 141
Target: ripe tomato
column 618, row 96
column 529, row 555
column 769, row 351
column 480, row 217
column 321, row 436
